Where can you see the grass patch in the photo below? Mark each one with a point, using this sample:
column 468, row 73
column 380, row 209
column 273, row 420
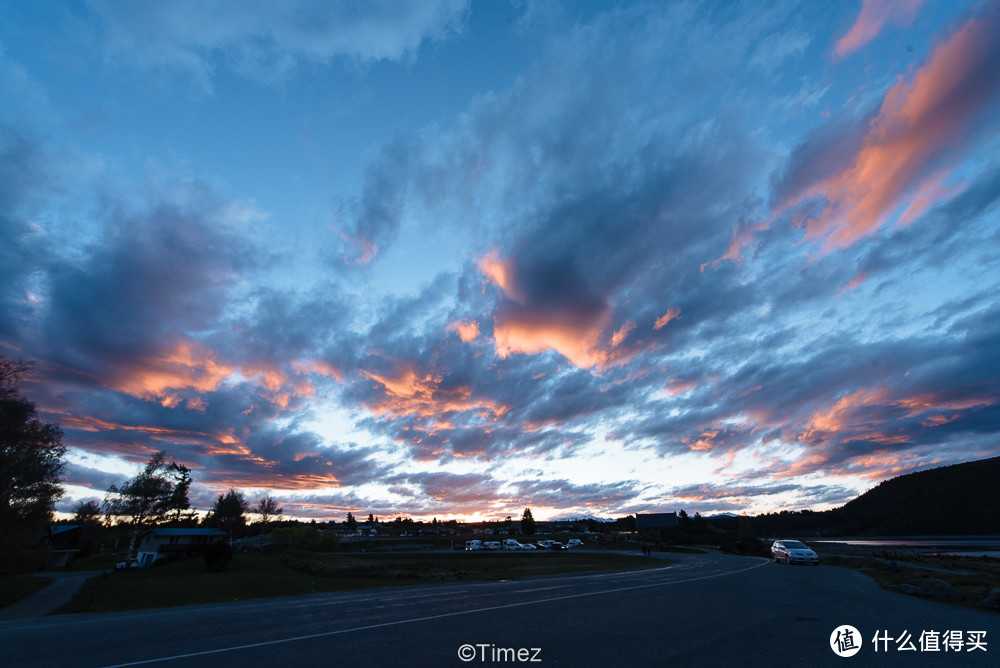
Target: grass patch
column 262, row 575
column 973, row 577
column 103, row 561
column 13, row 589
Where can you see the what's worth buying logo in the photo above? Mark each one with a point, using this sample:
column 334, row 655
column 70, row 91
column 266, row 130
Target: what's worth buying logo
column 845, row 640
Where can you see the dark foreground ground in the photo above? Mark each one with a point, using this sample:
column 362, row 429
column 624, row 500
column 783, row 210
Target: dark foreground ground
column 701, row 610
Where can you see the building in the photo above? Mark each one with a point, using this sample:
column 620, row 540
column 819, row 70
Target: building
column 62, row 542
column 655, row 521
column 156, row 543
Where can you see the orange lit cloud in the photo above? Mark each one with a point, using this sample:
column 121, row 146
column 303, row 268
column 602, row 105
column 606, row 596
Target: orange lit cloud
column 577, row 331
column 187, row 365
column 844, row 413
column 931, row 190
column 412, row 393
column 876, row 15
column 189, row 368
column 919, row 122
column 678, row 386
column 863, row 412
column 858, row 279
column 868, row 414
column 622, row 333
column 467, row 331
column 909, row 151
column 318, row 367
column 576, row 339
column 498, row 271
column 671, row 314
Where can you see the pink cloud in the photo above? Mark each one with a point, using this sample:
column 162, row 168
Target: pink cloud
column 467, row 331
column 908, row 152
column 499, row 271
column 876, row 15
column 678, row 386
column 579, row 331
column 412, row 392
column 575, row 337
column 858, row 279
column 364, row 249
column 185, row 365
column 671, row 314
column 921, row 124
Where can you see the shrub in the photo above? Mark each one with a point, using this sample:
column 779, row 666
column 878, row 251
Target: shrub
column 218, row 555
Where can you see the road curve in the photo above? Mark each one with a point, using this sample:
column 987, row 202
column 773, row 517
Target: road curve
column 701, row 610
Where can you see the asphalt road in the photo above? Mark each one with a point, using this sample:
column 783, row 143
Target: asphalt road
column 704, row 610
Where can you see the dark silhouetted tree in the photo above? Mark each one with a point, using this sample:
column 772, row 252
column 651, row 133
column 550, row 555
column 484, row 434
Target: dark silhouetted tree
column 352, row 524
column 182, row 484
column 527, row 523
column 31, row 453
column 268, row 509
column 626, row 523
column 149, row 497
column 87, row 511
column 229, row 513
column 87, row 516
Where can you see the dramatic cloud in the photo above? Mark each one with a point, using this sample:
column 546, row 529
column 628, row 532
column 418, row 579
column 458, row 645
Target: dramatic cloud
column 922, row 127
column 454, row 260
column 896, row 165
column 876, row 15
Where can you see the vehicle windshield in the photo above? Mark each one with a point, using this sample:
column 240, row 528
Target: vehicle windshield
column 794, row 545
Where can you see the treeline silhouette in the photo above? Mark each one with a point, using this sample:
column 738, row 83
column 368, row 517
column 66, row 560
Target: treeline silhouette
column 951, row 500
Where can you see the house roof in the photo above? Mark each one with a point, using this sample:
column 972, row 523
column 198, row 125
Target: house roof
column 62, row 528
column 157, row 531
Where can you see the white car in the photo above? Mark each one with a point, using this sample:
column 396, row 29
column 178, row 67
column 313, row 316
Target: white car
column 574, row 542
column 793, row 552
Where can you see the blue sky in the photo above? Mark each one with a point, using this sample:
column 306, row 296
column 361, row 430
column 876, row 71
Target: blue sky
column 456, row 259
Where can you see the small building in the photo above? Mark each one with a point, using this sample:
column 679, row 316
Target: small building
column 62, row 542
column 655, row 521
column 156, row 543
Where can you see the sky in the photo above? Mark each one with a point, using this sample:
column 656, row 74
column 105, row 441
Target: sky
column 454, row 259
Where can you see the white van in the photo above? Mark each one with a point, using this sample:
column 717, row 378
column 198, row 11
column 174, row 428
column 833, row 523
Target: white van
column 473, row 545
column 511, row 544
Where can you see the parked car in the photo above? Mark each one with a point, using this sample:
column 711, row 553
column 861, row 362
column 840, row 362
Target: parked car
column 793, row 552
column 492, row 545
column 529, row 546
column 574, row 542
column 131, row 563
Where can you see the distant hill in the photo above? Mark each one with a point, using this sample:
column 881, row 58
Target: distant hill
column 963, row 499
column 958, row 499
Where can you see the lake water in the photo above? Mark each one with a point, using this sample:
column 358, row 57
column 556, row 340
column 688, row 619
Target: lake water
column 987, row 546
